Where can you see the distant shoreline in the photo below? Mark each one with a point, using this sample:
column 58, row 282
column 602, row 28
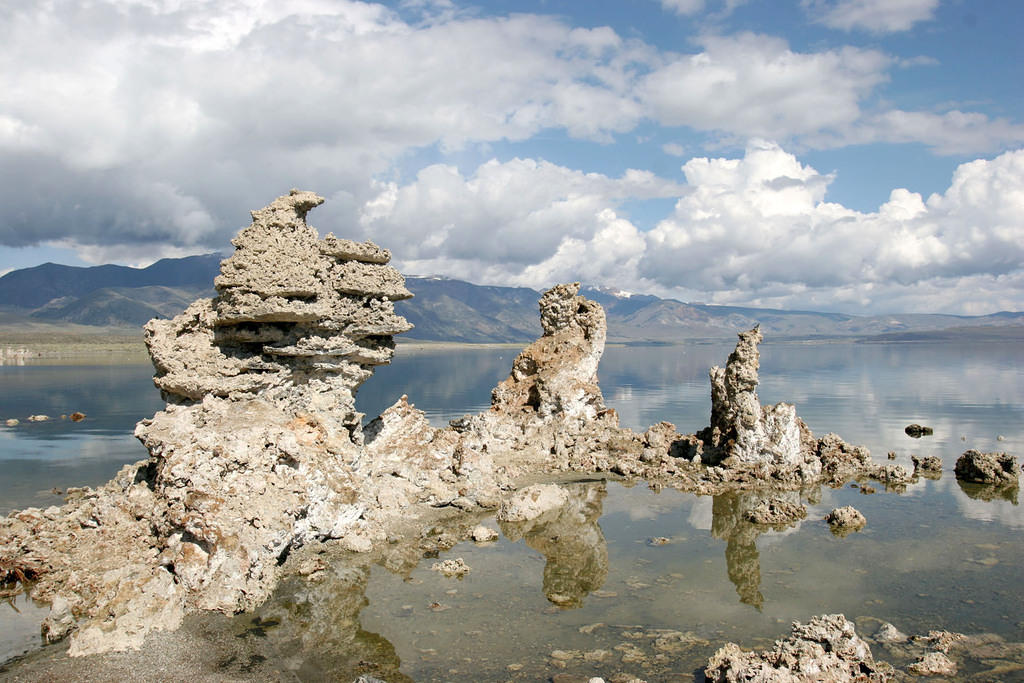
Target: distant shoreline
column 116, row 345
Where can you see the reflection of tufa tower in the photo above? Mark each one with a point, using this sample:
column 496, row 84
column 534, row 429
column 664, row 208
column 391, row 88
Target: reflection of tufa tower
column 572, row 543
column 741, row 556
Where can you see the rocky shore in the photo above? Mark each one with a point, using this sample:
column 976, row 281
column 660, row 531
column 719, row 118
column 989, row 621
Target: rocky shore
column 260, row 455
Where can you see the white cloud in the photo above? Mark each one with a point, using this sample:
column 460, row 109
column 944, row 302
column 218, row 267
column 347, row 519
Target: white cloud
column 684, row 7
column 954, row 132
column 135, row 127
column 523, row 221
column 879, row 16
column 758, row 230
column 673, row 149
column 755, row 230
column 755, row 85
column 231, row 104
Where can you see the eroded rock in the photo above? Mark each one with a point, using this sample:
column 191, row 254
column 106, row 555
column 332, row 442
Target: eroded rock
column 777, row 511
column 916, row 431
column 825, row 649
column 742, row 431
column 532, row 502
column 929, row 466
column 845, row 519
column 999, row 469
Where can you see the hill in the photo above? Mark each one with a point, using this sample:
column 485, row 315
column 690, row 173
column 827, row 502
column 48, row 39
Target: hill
column 445, row 309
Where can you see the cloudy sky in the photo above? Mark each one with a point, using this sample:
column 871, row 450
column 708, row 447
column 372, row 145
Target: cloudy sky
column 863, row 156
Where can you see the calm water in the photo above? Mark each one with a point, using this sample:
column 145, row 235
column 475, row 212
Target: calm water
column 593, row 584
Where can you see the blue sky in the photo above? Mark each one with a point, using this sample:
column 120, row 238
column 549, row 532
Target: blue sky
column 864, row 156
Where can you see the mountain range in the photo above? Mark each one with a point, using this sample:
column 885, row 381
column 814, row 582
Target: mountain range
column 445, row 309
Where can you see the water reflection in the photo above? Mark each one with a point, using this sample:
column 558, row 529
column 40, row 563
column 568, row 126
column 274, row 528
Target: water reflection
column 572, row 544
column 730, row 523
column 988, row 492
column 309, row 630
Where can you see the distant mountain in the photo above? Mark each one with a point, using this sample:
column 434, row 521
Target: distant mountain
column 121, row 306
column 38, row 286
column 452, row 310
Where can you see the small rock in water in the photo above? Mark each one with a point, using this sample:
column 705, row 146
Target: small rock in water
column 845, row 519
column 452, row 567
column 887, row 633
column 1000, row 438
column 77, row 416
column 916, row 431
column 483, row 534
column 929, row 464
column 658, row 540
column 12, row 422
column 38, row 418
column 891, row 455
column 933, row 664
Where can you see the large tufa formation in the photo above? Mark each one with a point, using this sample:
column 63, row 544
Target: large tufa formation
column 254, row 455
column 745, row 433
column 299, row 320
column 260, row 449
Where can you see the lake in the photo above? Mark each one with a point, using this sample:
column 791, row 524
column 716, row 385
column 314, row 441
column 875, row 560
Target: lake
column 628, row 578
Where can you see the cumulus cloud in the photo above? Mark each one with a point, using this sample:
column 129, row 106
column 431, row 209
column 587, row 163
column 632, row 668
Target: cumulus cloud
column 755, row 230
column 224, row 105
column 755, row 85
column 878, row 16
column 157, row 124
column 758, row 230
column 524, row 221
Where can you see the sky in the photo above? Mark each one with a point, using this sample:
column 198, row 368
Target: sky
column 857, row 156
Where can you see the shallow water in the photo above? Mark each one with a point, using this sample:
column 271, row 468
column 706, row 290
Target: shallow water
column 626, row 579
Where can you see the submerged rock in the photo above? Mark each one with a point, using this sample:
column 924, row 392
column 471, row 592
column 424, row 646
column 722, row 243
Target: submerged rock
column 933, row 664
column 887, row 633
column 777, row 511
column 452, row 567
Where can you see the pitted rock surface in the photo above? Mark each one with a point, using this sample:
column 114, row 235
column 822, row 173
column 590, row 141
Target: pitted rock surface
column 298, row 320
column 827, row 648
column 744, row 433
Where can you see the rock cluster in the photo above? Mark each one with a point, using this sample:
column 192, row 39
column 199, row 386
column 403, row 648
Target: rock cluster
column 255, row 452
column 827, row 648
column 260, row 449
